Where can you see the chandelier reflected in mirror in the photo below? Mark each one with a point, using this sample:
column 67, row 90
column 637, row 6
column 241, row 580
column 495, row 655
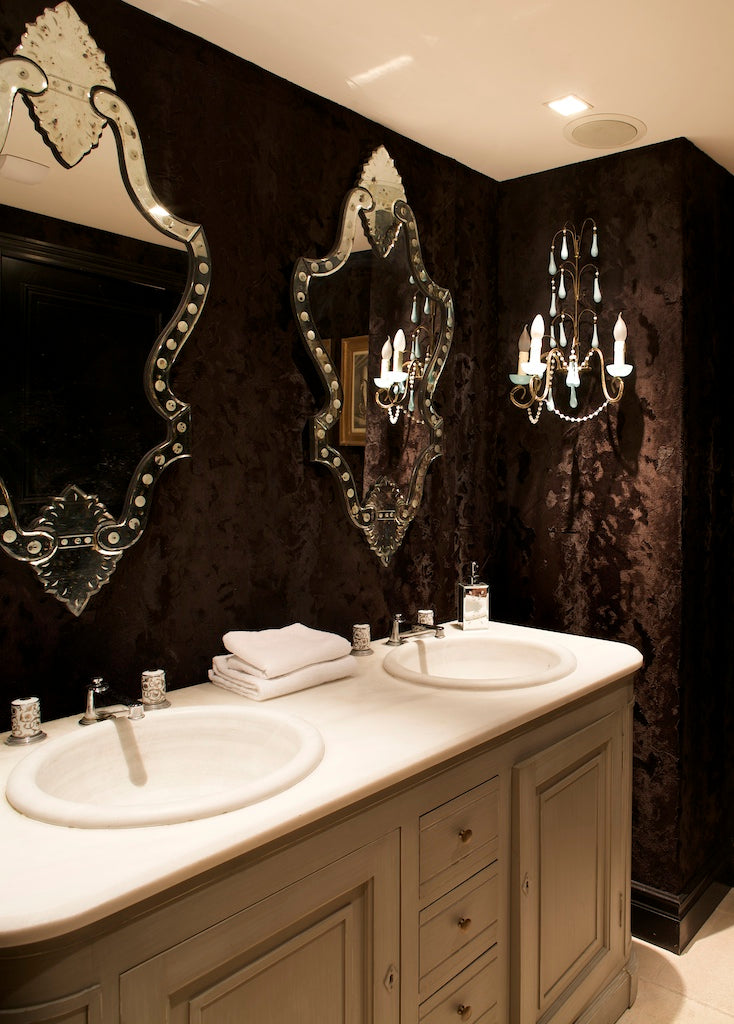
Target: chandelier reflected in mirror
column 573, row 351
column 402, row 369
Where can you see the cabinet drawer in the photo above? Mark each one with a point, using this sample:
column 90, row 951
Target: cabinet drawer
column 472, row 996
column 458, row 838
column 457, row 928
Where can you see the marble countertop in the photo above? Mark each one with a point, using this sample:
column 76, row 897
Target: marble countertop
column 377, row 731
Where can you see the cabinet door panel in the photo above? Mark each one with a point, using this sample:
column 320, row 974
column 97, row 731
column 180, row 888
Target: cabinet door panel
column 81, row 1008
column 316, row 952
column 569, row 879
column 311, row 977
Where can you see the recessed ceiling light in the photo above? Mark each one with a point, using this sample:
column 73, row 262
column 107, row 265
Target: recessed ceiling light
column 569, row 105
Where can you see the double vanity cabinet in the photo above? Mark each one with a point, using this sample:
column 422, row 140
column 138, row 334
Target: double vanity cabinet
column 455, row 856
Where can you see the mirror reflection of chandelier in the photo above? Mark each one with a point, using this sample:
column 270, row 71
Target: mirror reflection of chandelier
column 400, row 377
column 569, row 355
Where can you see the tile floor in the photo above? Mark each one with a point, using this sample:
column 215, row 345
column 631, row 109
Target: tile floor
column 696, row 987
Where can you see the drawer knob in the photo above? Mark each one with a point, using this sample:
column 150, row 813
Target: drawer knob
column 464, row 1012
column 464, row 923
column 465, row 834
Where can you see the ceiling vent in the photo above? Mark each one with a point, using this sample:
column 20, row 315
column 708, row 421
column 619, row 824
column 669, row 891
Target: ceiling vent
column 604, row 131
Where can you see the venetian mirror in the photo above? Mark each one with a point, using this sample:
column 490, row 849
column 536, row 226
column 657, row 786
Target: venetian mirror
column 101, row 286
column 378, row 330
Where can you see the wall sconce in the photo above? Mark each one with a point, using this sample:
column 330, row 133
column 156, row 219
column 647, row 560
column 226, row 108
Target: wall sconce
column 400, row 378
column 569, row 317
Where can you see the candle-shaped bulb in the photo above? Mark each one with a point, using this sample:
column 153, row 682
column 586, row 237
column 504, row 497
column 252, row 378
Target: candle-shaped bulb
column 620, row 329
column 537, row 328
column 386, row 357
column 552, row 268
column 564, row 247
column 620, row 337
column 594, row 244
column 398, row 349
column 523, row 349
column 535, row 366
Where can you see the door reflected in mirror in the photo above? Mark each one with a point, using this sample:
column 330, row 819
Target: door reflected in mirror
column 370, row 308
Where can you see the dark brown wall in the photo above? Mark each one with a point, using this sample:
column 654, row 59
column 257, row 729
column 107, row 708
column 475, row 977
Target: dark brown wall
column 248, row 533
column 611, row 529
column 707, row 645
column 590, row 530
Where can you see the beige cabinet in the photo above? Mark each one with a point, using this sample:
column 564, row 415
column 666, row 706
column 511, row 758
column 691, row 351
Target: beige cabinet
column 323, row 950
column 492, row 888
column 570, row 872
column 83, row 1007
column 458, row 893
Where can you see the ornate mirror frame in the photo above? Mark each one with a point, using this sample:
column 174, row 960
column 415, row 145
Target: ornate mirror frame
column 385, row 512
column 75, row 543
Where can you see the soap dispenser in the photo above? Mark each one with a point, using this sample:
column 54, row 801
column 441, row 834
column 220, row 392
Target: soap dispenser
column 473, row 611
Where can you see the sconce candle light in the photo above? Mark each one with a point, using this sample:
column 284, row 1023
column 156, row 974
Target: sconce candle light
column 569, row 317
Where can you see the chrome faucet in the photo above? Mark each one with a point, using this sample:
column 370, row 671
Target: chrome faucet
column 411, row 631
column 123, row 705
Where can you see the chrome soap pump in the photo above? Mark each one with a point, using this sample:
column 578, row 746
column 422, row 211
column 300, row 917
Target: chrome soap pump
column 473, row 602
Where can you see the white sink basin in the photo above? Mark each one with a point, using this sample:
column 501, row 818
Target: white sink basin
column 472, row 662
column 171, row 766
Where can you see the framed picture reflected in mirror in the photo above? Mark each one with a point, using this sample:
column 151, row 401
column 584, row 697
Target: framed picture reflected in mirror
column 353, row 420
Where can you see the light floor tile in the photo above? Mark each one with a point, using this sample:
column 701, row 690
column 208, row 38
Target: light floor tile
column 696, row 987
column 657, row 1005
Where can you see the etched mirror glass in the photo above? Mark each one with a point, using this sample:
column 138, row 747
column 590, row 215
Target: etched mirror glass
column 101, row 286
column 379, row 331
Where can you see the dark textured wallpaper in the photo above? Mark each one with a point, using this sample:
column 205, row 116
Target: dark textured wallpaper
column 611, row 528
column 707, row 645
column 618, row 529
column 248, row 533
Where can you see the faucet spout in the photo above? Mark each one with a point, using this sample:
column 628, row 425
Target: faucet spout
column 121, row 705
column 400, row 633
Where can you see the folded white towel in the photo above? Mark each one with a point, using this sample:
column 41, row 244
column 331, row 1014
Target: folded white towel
column 274, row 652
column 259, row 688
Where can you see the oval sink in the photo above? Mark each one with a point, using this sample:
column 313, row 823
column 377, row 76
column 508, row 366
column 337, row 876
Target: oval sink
column 479, row 662
column 171, row 766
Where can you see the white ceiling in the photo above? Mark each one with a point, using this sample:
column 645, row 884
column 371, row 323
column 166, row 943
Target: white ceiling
column 469, row 78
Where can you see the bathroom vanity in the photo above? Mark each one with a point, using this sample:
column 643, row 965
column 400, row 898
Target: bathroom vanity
column 457, row 854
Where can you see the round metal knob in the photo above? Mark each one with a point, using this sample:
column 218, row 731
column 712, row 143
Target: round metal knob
column 465, row 834
column 464, row 923
column 464, row 1012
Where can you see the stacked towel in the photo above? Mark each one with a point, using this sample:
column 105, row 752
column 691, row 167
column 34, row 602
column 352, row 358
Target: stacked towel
column 272, row 662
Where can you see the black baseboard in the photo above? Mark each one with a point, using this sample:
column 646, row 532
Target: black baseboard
column 671, row 920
